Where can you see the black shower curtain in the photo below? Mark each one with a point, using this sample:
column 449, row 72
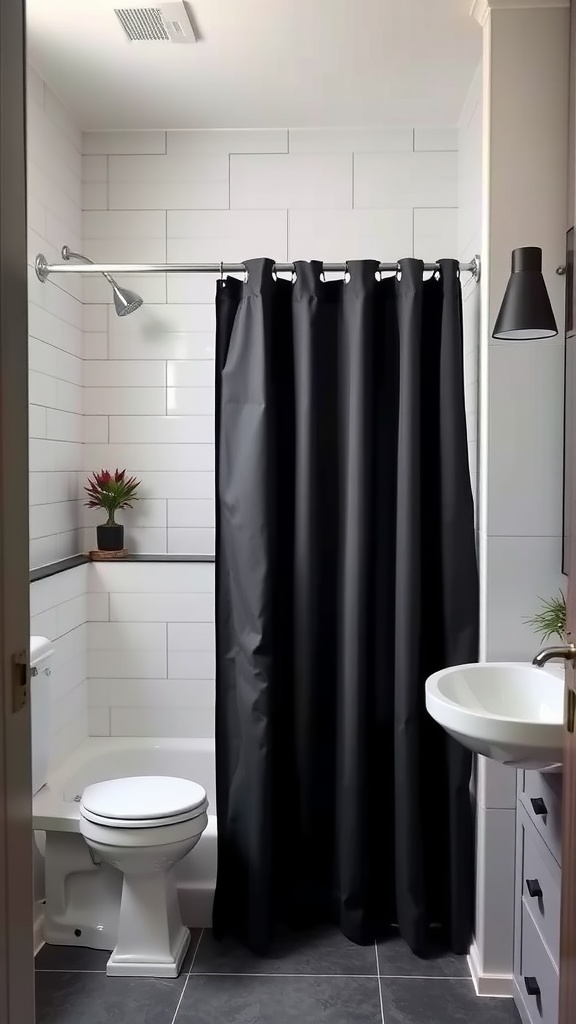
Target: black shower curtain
column 346, row 574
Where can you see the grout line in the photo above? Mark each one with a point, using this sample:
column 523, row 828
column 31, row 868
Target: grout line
column 253, row 974
column 353, row 172
column 66, row 970
column 379, row 983
column 425, row 977
column 187, row 979
column 248, row 974
column 54, row 408
column 197, row 944
column 66, row 351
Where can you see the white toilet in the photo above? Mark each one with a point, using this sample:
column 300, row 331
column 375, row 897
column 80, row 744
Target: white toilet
column 143, row 826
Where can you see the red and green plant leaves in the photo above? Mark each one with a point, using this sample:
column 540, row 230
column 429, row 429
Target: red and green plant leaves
column 111, row 491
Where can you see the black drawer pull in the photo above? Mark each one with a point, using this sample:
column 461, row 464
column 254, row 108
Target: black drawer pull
column 532, row 986
column 533, row 886
column 538, row 805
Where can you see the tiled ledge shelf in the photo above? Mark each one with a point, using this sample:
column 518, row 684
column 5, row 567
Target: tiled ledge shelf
column 53, row 568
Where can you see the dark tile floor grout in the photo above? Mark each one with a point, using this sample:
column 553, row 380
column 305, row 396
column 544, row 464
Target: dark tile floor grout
column 195, row 953
column 300, row 974
column 185, row 985
column 379, row 983
column 69, row 970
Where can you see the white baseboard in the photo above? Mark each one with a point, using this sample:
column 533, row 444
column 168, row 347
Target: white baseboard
column 488, row 984
column 38, row 926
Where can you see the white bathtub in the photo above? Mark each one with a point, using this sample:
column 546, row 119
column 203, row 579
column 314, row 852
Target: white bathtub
column 74, row 884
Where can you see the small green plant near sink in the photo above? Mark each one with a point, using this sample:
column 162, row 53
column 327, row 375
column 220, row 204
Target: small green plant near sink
column 550, row 621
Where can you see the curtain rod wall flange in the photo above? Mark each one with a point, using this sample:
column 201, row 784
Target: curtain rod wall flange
column 44, row 269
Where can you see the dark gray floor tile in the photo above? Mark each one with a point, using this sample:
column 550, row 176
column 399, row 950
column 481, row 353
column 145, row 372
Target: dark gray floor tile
column 413, row 1001
column 71, row 958
column 269, row 1000
column 396, row 959
column 80, row 958
column 81, row 998
column 319, row 951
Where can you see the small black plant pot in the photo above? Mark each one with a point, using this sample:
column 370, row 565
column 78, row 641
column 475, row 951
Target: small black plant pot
column 110, row 538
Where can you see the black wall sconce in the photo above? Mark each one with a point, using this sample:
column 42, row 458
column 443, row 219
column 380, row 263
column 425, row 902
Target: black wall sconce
column 526, row 313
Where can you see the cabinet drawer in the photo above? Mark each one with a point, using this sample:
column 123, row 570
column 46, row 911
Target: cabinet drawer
column 538, row 982
column 541, row 882
column 541, row 795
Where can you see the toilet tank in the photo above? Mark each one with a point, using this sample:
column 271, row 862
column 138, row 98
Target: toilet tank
column 41, row 651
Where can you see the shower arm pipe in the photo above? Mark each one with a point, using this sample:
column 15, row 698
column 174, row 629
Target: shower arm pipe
column 68, row 254
column 44, row 269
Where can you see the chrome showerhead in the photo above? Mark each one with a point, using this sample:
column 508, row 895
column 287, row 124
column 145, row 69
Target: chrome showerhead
column 125, row 301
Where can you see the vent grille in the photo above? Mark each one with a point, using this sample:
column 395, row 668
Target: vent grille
column 142, row 23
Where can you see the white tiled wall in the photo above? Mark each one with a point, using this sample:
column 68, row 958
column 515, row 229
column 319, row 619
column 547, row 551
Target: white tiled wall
column 470, row 243
column 55, row 327
column 134, row 651
column 59, row 611
column 524, row 381
column 201, row 196
column 151, row 652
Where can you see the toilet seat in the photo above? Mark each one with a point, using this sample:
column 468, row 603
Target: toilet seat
column 111, row 833
column 144, row 802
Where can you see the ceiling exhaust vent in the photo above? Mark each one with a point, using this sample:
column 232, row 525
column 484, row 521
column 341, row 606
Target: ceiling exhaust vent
column 166, row 23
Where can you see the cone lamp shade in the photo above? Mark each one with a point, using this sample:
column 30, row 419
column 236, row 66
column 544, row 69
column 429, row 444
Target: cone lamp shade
column 526, row 313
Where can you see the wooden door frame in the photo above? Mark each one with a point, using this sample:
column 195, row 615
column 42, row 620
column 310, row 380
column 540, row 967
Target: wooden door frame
column 16, row 878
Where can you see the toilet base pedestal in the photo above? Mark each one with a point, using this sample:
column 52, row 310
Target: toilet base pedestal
column 152, row 941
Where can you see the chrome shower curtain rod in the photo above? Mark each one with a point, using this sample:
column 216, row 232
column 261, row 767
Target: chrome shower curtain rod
column 44, row 269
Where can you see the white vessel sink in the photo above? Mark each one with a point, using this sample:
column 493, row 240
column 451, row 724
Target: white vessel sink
column 509, row 712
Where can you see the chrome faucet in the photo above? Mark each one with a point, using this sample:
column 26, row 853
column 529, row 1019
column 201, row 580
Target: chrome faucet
column 564, row 652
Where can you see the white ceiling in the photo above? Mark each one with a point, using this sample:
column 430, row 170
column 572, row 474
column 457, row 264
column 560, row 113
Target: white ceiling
column 261, row 63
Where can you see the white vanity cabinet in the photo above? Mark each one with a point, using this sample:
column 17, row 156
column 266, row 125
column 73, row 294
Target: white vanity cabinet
column 537, row 903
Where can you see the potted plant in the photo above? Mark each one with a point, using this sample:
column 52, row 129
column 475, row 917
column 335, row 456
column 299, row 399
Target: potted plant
column 551, row 619
column 111, row 492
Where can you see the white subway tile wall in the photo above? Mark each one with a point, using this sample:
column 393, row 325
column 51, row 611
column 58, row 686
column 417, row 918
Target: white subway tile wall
column 55, row 328
column 151, row 651
column 206, row 196
column 59, row 610
column 469, row 235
